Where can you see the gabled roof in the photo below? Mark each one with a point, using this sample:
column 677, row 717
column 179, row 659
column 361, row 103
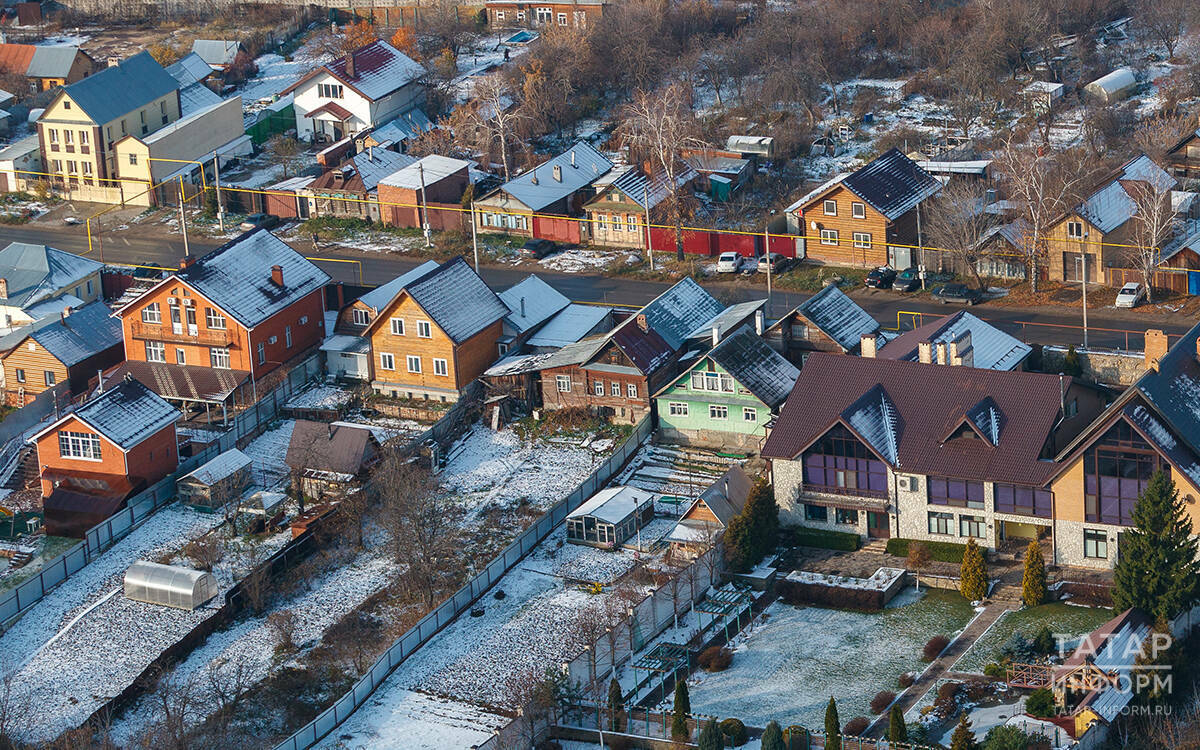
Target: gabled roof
column 1111, row 205
column 639, row 188
column 838, row 317
column 679, row 311
column 364, row 170
column 916, row 406
column 225, row 465
column 613, row 504
column 216, row 52
column 126, row 414
column 429, row 169
column 991, row 348
column 15, row 58
column 404, row 127
column 379, row 69
column 892, row 184
column 52, row 62
column 120, row 89
column 455, row 298
column 183, row 382
column 380, row 296
column 727, row 320
column 84, row 333
column 35, row 272
column 1183, row 142
column 578, row 167
column 569, row 325
column 189, row 70
column 340, row 449
column 531, row 302
column 727, row 496
column 756, row 366
column 646, row 349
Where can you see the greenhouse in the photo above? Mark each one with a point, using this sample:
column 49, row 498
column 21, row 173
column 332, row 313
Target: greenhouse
column 168, row 585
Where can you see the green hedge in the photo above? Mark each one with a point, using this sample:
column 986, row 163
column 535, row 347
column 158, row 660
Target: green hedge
column 825, row 539
column 940, row 551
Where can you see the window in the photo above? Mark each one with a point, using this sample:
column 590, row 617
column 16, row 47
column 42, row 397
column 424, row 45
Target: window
column 262, row 353
column 563, row 383
column 20, row 376
column 83, row 138
column 1095, row 544
column 839, row 463
column 941, row 523
column 57, row 165
column 862, row 240
column 749, row 414
column 830, row 208
column 72, row 167
column 499, row 15
column 79, row 445
column 124, row 130
column 562, row 19
column 975, row 526
column 397, row 326
column 423, row 330
column 829, row 237
column 544, row 15
column 1072, row 408
column 48, row 376
column 858, row 210
column 712, row 381
column 598, row 387
column 387, row 361
column 303, row 320
column 360, row 317
column 677, row 409
column 631, row 390
column 440, row 368
column 601, row 222
column 716, row 411
column 152, row 313
column 845, row 516
column 69, row 137
column 957, row 492
column 287, row 336
column 1115, row 471
column 214, row 319
column 631, row 223
column 816, row 513
column 89, row 286
column 53, row 135
column 329, row 90
column 614, row 388
column 180, row 356
column 617, row 226
column 87, row 168
column 521, row 16
column 273, row 340
column 133, row 159
column 1075, row 230
column 1025, row 501
column 155, row 351
column 218, row 357
column 414, row 363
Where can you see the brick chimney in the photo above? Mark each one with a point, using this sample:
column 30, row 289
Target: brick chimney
column 868, row 346
column 760, row 322
column 350, row 65
column 925, row 353
column 277, row 276
column 186, row 261
column 1156, row 348
column 557, row 173
column 3, row 288
column 942, row 359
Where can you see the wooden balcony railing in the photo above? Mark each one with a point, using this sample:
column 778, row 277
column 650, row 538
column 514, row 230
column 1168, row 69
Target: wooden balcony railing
column 164, row 332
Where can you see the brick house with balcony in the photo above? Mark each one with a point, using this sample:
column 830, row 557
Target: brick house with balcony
column 241, row 311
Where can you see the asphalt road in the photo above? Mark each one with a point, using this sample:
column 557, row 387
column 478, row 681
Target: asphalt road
column 1107, row 328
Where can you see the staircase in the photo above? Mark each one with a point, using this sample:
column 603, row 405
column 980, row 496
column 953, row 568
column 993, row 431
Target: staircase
column 26, row 473
column 875, row 546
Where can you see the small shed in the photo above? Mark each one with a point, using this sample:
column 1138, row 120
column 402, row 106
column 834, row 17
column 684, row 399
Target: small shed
column 329, row 459
column 1041, row 96
column 262, row 503
column 1113, row 87
column 220, row 481
column 610, row 517
column 169, row 585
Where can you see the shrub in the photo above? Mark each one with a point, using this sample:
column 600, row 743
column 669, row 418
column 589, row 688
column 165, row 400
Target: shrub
column 1040, row 703
column 798, row 592
column 948, row 691
column 906, row 680
column 715, row 659
column 710, row 736
column 856, row 726
column 935, row 646
column 1043, row 642
column 825, row 539
column 735, row 730
column 995, row 671
column 940, row 551
column 881, row 701
column 205, row 551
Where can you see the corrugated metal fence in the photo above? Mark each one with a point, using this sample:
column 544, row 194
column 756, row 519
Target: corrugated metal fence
column 431, row 623
column 143, row 505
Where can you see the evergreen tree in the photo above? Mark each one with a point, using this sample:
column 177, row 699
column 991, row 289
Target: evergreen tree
column 897, row 729
column 616, row 706
column 762, row 513
column 1043, row 641
column 710, row 736
column 772, row 738
column 1033, row 582
column 683, row 707
column 963, row 738
column 973, row 574
column 833, row 727
column 739, row 544
column 1071, row 363
column 1157, row 570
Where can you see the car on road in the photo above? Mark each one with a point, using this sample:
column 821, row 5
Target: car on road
column 729, row 262
column 959, row 293
column 257, row 221
column 773, row 261
column 1131, row 295
column 536, row 249
column 908, row 280
column 881, row 278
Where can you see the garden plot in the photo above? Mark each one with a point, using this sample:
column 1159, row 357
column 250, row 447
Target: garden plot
column 797, row 657
column 672, row 471
column 267, row 452
column 1064, row 620
column 418, row 721
column 321, row 396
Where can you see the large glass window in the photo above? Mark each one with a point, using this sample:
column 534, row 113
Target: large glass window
column 816, row 513
column 712, row 381
column 214, row 319
column 840, row 463
column 975, row 526
column 941, row 523
column 79, row 445
column 957, row 492
column 218, row 357
column 156, row 351
column 1116, row 470
column 152, row 313
column 1095, row 544
column 1025, row 501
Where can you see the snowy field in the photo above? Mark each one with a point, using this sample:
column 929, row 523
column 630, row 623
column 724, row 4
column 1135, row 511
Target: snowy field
column 417, row 721
column 275, row 74
column 267, row 452
column 795, row 658
column 321, row 396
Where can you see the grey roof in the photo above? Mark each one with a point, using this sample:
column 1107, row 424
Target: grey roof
column 727, row 496
column 237, row 276
column 537, row 188
column 117, row 90
column 839, row 317
column 892, row 183
column 195, row 98
column 639, row 188
column 35, row 272
column 874, row 417
column 404, row 127
column 377, row 298
column 680, row 310
column 190, row 69
column 225, row 465
column 127, row 413
column 570, row 324
column 52, row 62
column 1173, row 390
column 17, row 149
column 457, row 300
column 613, row 504
column 727, row 320
column 987, row 418
column 425, row 171
column 991, row 348
column 84, row 333
column 531, row 302
column 377, row 163
column 571, row 354
column 216, row 51
column 1111, row 205
column 756, row 366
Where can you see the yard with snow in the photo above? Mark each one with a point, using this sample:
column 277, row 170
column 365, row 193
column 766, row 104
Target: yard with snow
column 1066, row 620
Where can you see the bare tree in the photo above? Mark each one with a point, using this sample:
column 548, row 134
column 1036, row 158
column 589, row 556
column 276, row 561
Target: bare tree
column 956, row 221
column 175, row 708
column 287, row 151
column 1153, row 223
column 1154, row 136
column 490, row 119
column 15, row 705
column 1165, row 21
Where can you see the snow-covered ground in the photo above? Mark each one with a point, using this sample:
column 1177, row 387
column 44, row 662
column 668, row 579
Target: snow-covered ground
column 267, row 452
column 419, row 721
column 275, row 74
column 321, row 396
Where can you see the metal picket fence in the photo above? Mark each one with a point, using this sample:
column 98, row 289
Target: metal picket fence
column 431, row 623
column 140, row 507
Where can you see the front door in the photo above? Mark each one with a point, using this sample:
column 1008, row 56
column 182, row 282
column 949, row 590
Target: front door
column 878, row 525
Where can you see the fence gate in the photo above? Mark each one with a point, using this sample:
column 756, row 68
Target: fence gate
column 1193, row 282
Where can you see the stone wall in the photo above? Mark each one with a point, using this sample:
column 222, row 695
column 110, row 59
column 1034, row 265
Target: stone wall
column 1108, row 366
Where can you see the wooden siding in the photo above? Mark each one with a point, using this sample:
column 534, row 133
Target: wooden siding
column 844, row 253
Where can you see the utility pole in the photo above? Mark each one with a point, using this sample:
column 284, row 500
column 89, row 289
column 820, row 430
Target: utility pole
column 1084, row 258
column 424, row 206
column 474, row 237
column 767, row 255
column 183, row 219
column 220, row 203
column 649, row 242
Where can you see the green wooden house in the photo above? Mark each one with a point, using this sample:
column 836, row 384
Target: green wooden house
column 727, row 397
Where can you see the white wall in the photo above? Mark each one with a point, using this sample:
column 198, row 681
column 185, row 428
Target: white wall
column 307, row 100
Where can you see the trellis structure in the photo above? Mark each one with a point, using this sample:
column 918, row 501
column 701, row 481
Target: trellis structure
column 723, row 602
column 1030, row 675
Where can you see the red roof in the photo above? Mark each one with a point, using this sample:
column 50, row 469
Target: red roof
column 332, row 108
column 15, row 58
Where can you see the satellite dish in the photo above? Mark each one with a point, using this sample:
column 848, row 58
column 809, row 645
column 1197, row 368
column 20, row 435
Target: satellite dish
column 813, row 224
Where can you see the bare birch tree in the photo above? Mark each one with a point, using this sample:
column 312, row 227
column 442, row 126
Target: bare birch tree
column 1153, row 224
column 1155, row 135
column 956, row 221
column 490, row 119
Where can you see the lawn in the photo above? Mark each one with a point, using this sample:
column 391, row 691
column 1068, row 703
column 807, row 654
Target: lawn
column 791, row 664
column 1060, row 618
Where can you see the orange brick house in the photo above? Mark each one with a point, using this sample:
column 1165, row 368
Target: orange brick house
column 92, row 459
column 436, row 334
column 245, row 309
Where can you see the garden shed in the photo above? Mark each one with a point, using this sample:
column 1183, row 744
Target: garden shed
column 610, row 517
column 169, row 585
column 222, row 480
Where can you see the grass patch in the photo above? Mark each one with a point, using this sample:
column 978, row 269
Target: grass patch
column 1057, row 616
column 947, row 552
column 570, row 423
column 826, row 539
column 806, row 277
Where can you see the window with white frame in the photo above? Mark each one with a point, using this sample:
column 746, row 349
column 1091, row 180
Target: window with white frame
column 287, row 336
column 214, row 319
column 414, row 363
column 749, row 414
column 1075, row 230
column 631, row 390
column 830, row 208
column 152, row 313
column 562, row 19
column 631, row 223
column 677, row 409
column 219, row 357
column 858, row 210
column 829, row 237
column 303, row 320
column 361, row 317
column 156, row 351
column 716, row 411
column 601, row 222
column 329, row 90
column 617, row 226
column 975, row 526
column 440, row 367
column 598, row 387
column 499, row 15
column 614, row 388
column 48, row 376
column 83, row 445
column 180, row 356
column 387, row 361
column 397, row 326
column 544, row 14
column 862, row 240
column 262, row 353
column 563, row 383
column 713, row 381
column 423, row 329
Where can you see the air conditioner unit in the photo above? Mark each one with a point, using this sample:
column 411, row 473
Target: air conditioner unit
column 172, row 301
column 189, row 303
column 908, row 484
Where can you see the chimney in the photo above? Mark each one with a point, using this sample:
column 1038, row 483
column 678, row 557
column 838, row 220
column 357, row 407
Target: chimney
column 1156, row 348
column 558, row 173
column 350, row 65
column 66, row 313
column 522, row 307
column 925, row 353
column 277, row 276
column 533, row 178
column 186, row 261
column 760, row 322
column 961, row 352
column 867, row 345
column 716, row 334
column 642, row 323
column 941, row 353
column 572, row 157
column 4, row 288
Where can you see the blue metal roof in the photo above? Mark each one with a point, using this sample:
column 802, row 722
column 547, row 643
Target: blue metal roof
column 457, row 300
column 84, row 333
column 120, row 89
column 531, row 301
column 577, row 168
column 35, row 272
column 838, row 317
column 127, row 413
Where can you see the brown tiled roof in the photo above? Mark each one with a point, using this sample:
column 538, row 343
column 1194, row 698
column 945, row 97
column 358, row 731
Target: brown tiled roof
column 905, row 410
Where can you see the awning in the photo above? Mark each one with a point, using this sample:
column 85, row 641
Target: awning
column 90, row 483
column 847, row 502
column 332, row 108
column 183, row 382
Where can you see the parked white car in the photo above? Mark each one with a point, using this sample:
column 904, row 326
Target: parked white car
column 729, row 263
column 1131, row 295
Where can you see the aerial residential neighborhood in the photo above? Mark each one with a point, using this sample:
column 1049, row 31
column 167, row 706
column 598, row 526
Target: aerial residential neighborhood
column 607, row 374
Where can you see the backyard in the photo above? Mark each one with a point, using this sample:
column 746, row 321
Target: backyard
column 1066, row 620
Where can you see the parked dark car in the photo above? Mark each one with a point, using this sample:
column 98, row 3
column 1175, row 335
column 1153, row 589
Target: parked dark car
column 881, row 278
column 959, row 293
column 536, row 249
column 256, row 221
column 907, row 280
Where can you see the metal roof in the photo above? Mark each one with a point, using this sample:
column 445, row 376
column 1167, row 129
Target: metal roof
column 991, row 348
column 379, row 69
column 613, row 504
column 35, row 272
column 17, row 149
column 237, row 277
column 756, row 366
column 1180, row 456
column 873, row 417
column 380, row 296
column 727, row 320
column 578, row 167
column 126, row 413
column 183, row 382
column 52, row 62
column 369, row 167
column 337, row 448
column 679, row 311
column 838, row 317
column 569, row 325
column 1111, row 205
column 645, row 191
column 531, row 302
column 404, row 127
column 120, row 89
column 190, row 69
column 225, row 465
column 82, row 334
column 425, row 171
column 216, row 52
column 346, row 343
column 892, row 183
column 1115, row 82
column 807, row 197
column 457, row 300
column 196, row 97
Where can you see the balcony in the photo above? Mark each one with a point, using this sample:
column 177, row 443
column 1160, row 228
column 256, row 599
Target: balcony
column 164, row 332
